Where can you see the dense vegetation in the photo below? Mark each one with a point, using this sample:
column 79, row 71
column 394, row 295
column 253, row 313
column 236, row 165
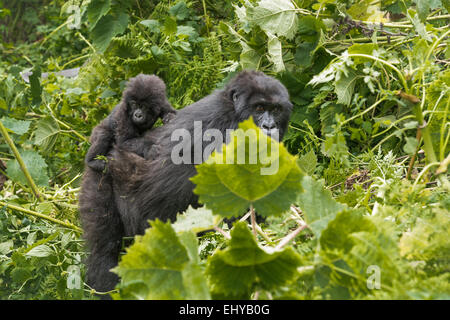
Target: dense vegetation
column 361, row 203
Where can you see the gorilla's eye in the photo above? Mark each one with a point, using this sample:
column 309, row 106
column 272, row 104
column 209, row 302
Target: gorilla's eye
column 259, row 108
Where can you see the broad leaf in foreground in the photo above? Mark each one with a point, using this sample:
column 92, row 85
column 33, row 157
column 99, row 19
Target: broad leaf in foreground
column 244, row 265
column 253, row 169
column 162, row 265
column 317, row 204
column 275, row 16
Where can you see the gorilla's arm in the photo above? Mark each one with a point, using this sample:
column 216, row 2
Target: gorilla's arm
column 102, row 138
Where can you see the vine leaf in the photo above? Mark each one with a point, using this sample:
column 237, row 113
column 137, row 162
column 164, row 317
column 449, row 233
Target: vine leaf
column 162, row 264
column 243, row 265
column 262, row 173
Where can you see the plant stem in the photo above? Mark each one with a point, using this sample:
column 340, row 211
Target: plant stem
column 291, row 236
column 42, row 216
column 19, row 159
column 253, row 219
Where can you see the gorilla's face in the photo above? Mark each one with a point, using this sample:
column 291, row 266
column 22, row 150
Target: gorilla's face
column 265, row 99
column 142, row 114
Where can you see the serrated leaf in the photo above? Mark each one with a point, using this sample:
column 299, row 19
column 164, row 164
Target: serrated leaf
column 308, row 162
column 195, row 220
column 40, row 251
column 35, row 164
column 249, row 58
column 46, row 133
column 106, row 28
column 275, row 53
column 96, row 10
column 317, row 205
column 244, row 264
column 345, row 86
column 161, row 265
column 19, row 127
column 6, row 247
column 259, row 171
column 275, row 16
column 153, row 25
column 179, row 11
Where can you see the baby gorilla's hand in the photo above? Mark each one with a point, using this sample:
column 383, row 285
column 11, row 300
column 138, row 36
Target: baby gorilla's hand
column 97, row 165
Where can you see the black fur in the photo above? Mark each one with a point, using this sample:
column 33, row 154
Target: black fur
column 156, row 187
column 145, row 96
column 143, row 102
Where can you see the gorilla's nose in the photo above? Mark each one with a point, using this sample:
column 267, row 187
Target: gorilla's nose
column 268, row 127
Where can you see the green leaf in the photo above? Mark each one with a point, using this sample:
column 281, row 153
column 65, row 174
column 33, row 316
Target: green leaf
column 308, row 162
column 18, row 127
column 35, row 164
column 21, row 275
column 411, row 145
column 317, row 205
column 162, row 265
column 170, row 26
column 153, row 25
column 244, row 265
column 96, row 10
column 6, row 247
column 423, row 8
column 180, row 11
column 40, row 251
column 108, row 27
column 275, row 53
column 46, row 133
column 195, row 220
column 275, row 16
column 35, row 85
column 258, row 171
column 345, row 86
column 249, row 58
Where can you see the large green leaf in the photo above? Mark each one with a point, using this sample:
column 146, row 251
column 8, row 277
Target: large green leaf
column 261, row 172
column 35, row 164
column 275, row 16
column 96, row 10
column 317, row 205
column 108, row 27
column 244, row 265
column 46, row 132
column 162, row 265
column 19, row 127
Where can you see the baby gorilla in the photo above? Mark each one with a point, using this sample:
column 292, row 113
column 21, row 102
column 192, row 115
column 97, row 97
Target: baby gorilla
column 143, row 102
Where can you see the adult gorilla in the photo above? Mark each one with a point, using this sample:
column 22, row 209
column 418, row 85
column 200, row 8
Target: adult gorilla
column 156, row 187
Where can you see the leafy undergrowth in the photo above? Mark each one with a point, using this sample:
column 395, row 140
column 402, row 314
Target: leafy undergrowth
column 358, row 207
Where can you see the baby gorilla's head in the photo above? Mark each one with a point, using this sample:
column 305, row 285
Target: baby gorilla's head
column 145, row 98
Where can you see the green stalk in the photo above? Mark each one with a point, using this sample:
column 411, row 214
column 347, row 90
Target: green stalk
column 22, row 165
column 42, row 216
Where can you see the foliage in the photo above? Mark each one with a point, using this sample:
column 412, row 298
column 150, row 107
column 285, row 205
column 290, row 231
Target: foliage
column 359, row 206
